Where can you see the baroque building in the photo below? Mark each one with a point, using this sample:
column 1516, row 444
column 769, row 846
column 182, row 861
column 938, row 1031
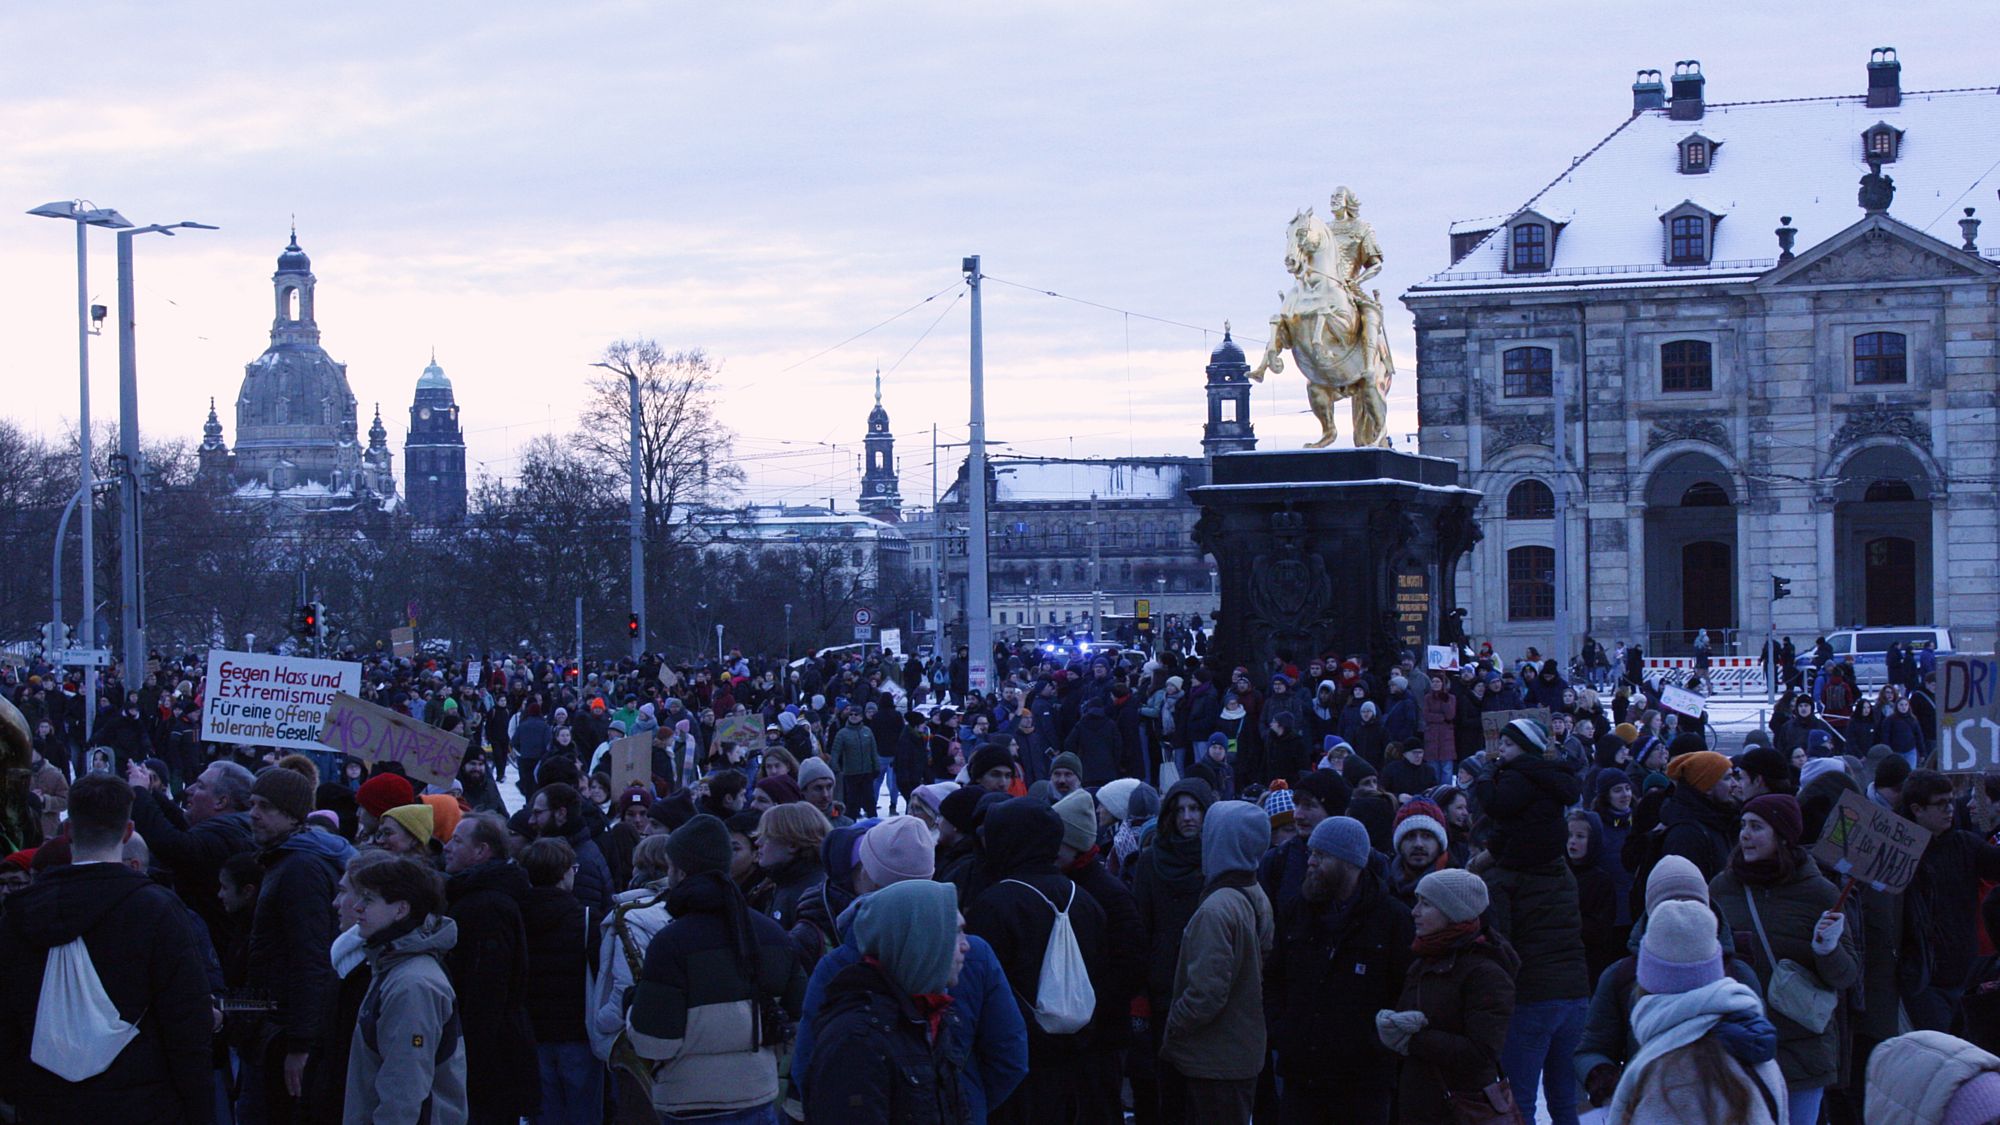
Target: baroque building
column 880, row 497
column 297, row 443
column 1759, row 374
column 434, row 452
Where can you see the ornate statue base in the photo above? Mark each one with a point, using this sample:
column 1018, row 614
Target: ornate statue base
column 1334, row 552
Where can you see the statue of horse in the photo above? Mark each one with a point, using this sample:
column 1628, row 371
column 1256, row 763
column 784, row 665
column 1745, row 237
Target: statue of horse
column 1333, row 329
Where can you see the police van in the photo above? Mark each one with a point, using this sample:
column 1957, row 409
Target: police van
column 1868, row 649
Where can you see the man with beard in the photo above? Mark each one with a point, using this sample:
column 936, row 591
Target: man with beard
column 1418, row 841
column 1343, row 951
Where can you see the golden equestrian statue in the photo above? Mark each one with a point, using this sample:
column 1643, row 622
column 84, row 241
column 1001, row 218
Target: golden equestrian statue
column 1333, row 328
column 19, row 827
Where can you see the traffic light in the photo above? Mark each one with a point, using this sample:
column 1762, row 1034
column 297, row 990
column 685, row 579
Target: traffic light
column 308, row 620
column 1780, row 587
column 322, row 620
column 632, row 626
column 52, row 638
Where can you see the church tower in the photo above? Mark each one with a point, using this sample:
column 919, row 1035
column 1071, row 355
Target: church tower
column 1228, row 429
column 880, row 498
column 434, row 452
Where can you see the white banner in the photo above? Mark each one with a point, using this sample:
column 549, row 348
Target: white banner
column 265, row 700
column 892, row 640
column 1682, row 701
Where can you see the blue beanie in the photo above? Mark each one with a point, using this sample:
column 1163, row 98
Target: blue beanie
column 1342, row 837
column 1218, row 739
column 912, row 929
column 842, row 850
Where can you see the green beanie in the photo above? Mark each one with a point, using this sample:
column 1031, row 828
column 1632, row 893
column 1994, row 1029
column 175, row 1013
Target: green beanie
column 912, row 929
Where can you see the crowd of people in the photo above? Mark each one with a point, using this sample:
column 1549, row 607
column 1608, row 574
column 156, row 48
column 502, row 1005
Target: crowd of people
column 1119, row 884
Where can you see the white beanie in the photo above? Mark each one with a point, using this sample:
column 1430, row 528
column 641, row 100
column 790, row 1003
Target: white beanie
column 1116, row 796
column 1418, row 822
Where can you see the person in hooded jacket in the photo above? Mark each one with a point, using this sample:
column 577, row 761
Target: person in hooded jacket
column 147, row 954
column 1166, row 888
column 887, row 1055
column 1016, row 914
column 1125, row 963
column 407, row 1063
column 485, row 891
column 1457, row 1002
column 1285, row 753
column 1596, row 892
column 1096, row 743
column 1700, row 812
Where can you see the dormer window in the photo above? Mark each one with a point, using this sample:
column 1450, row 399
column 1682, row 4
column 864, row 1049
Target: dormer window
column 1689, row 234
column 1881, row 143
column 1531, row 247
column 1697, row 154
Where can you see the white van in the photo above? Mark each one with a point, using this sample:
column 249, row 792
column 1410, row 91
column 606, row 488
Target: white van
column 1867, row 649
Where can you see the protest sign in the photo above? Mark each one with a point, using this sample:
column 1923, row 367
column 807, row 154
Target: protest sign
column 403, row 643
column 669, row 679
column 376, row 734
column 1866, row 842
column 1969, row 713
column 1490, row 723
column 1682, row 701
column 1441, row 658
column 475, row 670
column 629, row 761
column 891, row 641
column 262, row 699
column 746, row 731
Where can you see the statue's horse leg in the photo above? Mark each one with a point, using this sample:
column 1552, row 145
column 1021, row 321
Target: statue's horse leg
column 1322, row 399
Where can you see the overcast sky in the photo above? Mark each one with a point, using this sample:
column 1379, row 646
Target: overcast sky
column 516, row 185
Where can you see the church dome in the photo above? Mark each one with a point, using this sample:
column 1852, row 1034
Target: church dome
column 433, row 377
column 1227, row 351
column 294, row 260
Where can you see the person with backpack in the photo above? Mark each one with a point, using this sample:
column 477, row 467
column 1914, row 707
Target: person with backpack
column 104, row 999
column 636, row 917
column 1049, row 935
column 407, row 1062
column 1213, row 1046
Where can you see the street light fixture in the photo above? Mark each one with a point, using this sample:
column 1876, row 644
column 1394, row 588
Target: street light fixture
column 638, row 563
column 85, row 214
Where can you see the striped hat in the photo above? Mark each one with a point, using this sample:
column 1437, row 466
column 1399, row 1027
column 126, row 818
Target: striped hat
column 1278, row 804
column 1531, row 736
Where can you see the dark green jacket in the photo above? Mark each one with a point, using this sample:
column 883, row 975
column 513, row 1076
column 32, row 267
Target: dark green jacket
column 1790, row 911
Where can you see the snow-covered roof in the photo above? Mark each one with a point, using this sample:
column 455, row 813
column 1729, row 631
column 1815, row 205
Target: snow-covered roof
column 776, row 522
column 1056, row 480
column 1799, row 157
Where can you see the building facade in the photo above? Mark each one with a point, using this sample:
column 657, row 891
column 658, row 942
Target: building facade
column 434, row 452
column 297, row 441
column 1760, row 373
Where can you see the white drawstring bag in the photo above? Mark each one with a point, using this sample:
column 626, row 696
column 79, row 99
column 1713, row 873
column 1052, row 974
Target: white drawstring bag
column 1064, row 998
column 78, row 1031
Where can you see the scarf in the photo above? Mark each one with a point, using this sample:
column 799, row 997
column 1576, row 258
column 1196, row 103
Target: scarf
column 1444, row 941
column 1762, row 872
column 1084, row 859
column 932, row 1006
column 1178, row 860
column 1668, row 1021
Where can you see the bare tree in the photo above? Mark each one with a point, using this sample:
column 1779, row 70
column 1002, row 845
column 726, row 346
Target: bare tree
column 684, row 448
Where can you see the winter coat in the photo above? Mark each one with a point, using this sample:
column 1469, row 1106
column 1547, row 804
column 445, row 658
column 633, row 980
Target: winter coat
column 1698, row 830
column 881, row 1063
column 1400, row 722
column 558, row 964
column 697, row 1012
column 407, row 1062
column 148, row 957
column 636, row 917
column 291, row 933
column 1607, row 1025
column 1790, row 910
column 1334, row 967
column 782, row 891
column 1402, row 778
column 1525, row 799
column 853, row 752
column 1440, row 726
column 194, row 856
column 1665, row 1086
column 1287, row 757
column 1941, row 908
column 1165, row 904
column 489, row 969
column 49, row 781
column 1125, row 960
column 1095, row 741
column 592, row 886
column 1467, row 998
column 1537, row 912
column 1215, row 1026
column 1912, row 1078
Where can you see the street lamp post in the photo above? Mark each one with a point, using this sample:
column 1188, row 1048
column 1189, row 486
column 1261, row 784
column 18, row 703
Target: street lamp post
column 84, row 214
column 638, row 513
column 978, row 609
column 131, row 539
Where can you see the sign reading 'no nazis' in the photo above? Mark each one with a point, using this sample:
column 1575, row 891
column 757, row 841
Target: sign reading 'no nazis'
column 377, row 734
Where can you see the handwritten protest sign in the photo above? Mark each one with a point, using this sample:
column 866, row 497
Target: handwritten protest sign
column 1682, row 701
column 1441, row 658
column 377, row 734
column 629, row 761
column 403, row 643
column 263, row 699
column 1868, row 843
column 1491, row 722
column 746, row 731
column 1969, row 713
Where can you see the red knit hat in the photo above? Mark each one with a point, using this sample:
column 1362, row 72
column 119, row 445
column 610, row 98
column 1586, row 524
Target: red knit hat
column 383, row 792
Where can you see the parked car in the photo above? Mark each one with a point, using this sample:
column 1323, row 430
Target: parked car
column 1868, row 648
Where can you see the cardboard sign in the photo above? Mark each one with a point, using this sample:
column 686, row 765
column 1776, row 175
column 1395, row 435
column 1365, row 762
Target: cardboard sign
column 1969, row 713
column 1490, row 723
column 475, row 672
column 669, row 679
column 892, row 641
column 1441, row 658
column 403, row 643
column 1683, row 701
column 629, row 761
column 262, row 699
column 1868, row 843
column 746, row 731
column 377, row 734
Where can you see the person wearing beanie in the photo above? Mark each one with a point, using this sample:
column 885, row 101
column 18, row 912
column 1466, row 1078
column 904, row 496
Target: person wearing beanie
column 1066, row 774
column 1115, row 797
column 1417, row 848
column 885, row 1059
column 1705, row 1049
column 1345, row 926
column 446, row 812
column 378, row 795
column 991, row 768
column 1015, row 914
column 1125, row 969
column 1795, row 921
column 929, row 800
column 1926, row 1077
column 1213, row 765
column 1214, row 1043
column 1280, row 806
column 406, row 830
column 705, row 977
column 291, row 934
column 816, row 782
column 1763, row 770
column 1457, row 1001
column 1700, row 811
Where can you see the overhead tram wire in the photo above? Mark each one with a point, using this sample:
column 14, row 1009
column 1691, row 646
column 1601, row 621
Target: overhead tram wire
column 956, row 283
column 1112, row 308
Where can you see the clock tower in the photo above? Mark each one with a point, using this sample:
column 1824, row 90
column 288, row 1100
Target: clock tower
column 434, row 452
column 880, row 498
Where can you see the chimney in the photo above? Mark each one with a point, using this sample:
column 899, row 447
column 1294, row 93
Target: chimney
column 1885, row 78
column 1686, row 105
column 1648, row 92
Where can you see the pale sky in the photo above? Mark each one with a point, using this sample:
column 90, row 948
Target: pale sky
column 516, row 185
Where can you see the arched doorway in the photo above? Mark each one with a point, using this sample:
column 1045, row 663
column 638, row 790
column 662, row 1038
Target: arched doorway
column 1882, row 539
column 1690, row 553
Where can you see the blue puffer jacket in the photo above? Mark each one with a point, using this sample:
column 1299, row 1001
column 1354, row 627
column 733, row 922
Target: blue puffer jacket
column 989, row 1040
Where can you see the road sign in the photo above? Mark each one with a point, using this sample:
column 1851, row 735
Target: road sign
column 864, row 632
column 84, row 657
column 1143, row 607
column 863, row 616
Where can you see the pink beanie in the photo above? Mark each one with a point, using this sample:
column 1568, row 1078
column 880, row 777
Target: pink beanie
column 897, row 850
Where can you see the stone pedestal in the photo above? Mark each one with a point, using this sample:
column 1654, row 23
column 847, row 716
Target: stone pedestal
column 1333, row 552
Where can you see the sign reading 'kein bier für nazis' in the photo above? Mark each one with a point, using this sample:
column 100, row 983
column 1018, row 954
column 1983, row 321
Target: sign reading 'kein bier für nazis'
column 376, row 734
column 1868, row 843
